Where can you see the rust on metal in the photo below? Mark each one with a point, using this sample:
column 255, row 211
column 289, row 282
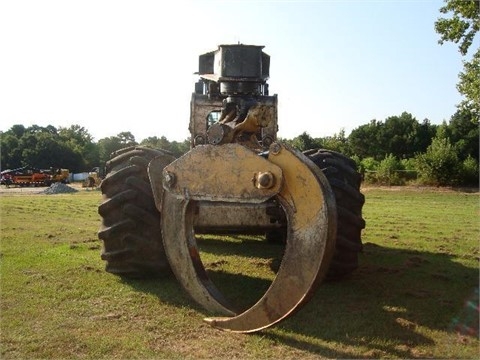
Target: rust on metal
column 309, row 249
column 228, row 218
column 221, row 173
column 310, row 239
column 155, row 171
column 184, row 258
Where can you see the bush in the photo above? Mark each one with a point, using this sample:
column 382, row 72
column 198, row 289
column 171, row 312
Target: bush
column 409, row 173
column 469, row 172
column 439, row 165
column 368, row 168
column 388, row 171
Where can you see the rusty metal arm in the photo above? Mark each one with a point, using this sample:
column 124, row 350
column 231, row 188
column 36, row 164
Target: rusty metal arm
column 236, row 174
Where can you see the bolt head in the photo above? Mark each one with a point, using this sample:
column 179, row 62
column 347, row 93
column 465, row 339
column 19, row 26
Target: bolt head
column 265, row 180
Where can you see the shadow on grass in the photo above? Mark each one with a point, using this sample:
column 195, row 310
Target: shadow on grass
column 470, row 190
column 380, row 307
column 244, row 245
column 386, row 301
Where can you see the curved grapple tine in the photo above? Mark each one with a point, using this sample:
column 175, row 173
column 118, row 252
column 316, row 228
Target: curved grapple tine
column 310, row 208
column 309, row 205
column 183, row 255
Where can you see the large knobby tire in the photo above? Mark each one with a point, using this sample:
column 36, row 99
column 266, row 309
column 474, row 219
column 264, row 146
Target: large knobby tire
column 130, row 229
column 345, row 181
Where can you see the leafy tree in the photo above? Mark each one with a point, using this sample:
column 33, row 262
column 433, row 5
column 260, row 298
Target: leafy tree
column 156, row 142
column 425, row 132
column 11, row 155
column 439, row 165
column 35, row 129
column 107, row 146
column 443, row 131
column 402, row 136
column 126, row 138
column 75, row 134
column 365, row 140
column 79, row 140
column 461, row 27
column 469, row 85
column 17, row 130
column 337, row 142
column 463, row 132
column 176, row 148
column 179, row 148
column 44, row 147
column 305, row 142
column 399, row 136
column 44, row 150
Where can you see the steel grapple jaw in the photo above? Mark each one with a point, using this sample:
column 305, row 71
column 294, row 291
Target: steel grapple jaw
column 233, row 174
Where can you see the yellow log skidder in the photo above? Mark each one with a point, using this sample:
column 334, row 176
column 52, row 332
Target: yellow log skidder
column 236, row 178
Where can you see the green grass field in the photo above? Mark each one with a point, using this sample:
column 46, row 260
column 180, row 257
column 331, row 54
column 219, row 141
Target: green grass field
column 415, row 294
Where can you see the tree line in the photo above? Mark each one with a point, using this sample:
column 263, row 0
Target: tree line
column 402, row 150
column 394, row 151
column 69, row 147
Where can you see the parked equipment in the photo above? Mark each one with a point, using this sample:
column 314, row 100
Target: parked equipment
column 31, row 176
column 237, row 178
column 59, row 175
column 93, row 179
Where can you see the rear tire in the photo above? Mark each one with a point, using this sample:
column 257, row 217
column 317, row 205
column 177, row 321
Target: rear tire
column 130, row 229
column 341, row 173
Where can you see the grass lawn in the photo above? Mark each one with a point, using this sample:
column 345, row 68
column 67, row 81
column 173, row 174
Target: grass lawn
column 415, row 294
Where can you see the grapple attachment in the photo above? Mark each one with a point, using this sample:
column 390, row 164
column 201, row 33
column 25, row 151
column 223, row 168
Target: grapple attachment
column 231, row 173
column 235, row 179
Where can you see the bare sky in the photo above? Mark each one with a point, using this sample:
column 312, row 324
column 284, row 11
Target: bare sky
column 114, row 66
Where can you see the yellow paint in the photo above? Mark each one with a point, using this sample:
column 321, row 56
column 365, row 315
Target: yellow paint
column 301, row 189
